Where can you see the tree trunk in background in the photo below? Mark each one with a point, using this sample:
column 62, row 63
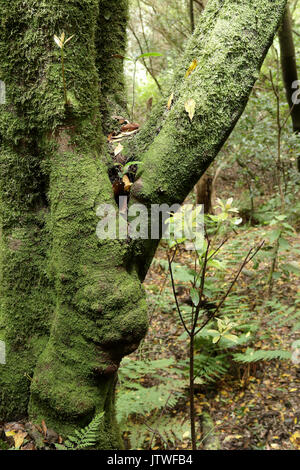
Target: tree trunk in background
column 289, row 68
column 204, row 192
column 289, row 65
column 206, row 189
column 110, row 39
column 56, row 274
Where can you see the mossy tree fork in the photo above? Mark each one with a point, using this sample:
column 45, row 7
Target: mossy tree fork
column 73, row 305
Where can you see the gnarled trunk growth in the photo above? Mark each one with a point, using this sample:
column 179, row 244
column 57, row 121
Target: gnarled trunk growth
column 73, row 305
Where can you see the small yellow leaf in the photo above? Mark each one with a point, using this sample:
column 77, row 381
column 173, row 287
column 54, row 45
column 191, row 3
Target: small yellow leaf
column 127, row 183
column 170, row 101
column 191, row 68
column 295, row 439
column 118, row 149
column 58, row 42
column 62, row 37
column 190, row 106
column 10, row 433
column 69, row 39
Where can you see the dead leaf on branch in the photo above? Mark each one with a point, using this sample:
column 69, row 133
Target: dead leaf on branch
column 170, row 101
column 191, row 68
column 121, row 136
column 127, row 183
column 44, row 427
column 131, row 126
column 190, row 106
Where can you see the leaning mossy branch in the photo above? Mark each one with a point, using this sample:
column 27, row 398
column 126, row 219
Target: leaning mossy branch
column 229, row 61
column 228, row 66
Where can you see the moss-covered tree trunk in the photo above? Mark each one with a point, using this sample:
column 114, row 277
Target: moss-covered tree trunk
column 73, row 305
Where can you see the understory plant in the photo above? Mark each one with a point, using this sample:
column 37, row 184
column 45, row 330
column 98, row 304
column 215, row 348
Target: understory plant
column 203, row 313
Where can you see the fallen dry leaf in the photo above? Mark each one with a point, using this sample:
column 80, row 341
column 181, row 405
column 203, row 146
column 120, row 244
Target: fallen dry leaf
column 191, row 68
column 29, row 446
column 19, row 438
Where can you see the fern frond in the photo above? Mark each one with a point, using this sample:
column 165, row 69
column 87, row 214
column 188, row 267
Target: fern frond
column 261, row 355
column 86, row 437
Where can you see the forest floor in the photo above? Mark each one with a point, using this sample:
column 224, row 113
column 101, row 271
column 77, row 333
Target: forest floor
column 254, row 406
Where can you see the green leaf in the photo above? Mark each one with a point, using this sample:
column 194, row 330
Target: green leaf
column 148, row 54
column 194, row 293
column 274, row 235
column 232, row 338
column 284, row 244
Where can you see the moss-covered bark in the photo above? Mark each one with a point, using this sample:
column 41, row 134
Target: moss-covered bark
column 101, row 313
column 26, row 294
column 53, row 179
column 110, row 41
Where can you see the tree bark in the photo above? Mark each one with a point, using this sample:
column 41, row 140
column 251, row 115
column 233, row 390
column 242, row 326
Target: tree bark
column 56, row 273
column 26, row 292
column 289, row 65
column 110, row 40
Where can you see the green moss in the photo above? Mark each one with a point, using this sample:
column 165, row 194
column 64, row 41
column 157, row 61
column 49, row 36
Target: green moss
column 100, row 310
column 229, row 45
column 110, row 41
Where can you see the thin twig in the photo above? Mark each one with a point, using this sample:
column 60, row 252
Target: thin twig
column 247, row 260
column 175, row 296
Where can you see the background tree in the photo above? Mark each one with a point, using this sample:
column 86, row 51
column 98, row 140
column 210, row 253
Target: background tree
column 289, row 65
column 73, row 305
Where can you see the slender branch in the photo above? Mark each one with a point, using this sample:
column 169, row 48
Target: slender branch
column 176, row 300
column 192, row 16
column 250, row 255
column 149, row 70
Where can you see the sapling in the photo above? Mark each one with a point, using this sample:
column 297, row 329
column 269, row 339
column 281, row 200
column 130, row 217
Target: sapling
column 61, row 42
column 205, row 257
